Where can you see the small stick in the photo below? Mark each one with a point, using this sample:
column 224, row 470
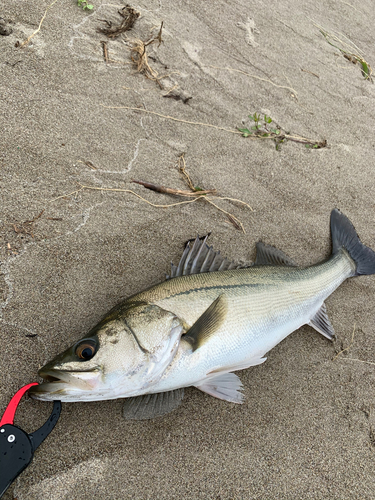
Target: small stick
column 105, row 51
column 311, row 73
column 177, row 192
column 35, row 218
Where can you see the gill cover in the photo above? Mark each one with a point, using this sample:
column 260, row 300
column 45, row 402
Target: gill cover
column 127, row 352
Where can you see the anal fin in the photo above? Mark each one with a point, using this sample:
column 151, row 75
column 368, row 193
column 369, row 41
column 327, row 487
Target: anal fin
column 151, row 406
column 322, row 324
column 225, row 386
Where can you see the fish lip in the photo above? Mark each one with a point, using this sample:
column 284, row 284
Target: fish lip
column 59, row 381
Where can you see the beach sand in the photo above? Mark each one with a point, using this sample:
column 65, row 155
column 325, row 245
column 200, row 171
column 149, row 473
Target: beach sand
column 307, row 427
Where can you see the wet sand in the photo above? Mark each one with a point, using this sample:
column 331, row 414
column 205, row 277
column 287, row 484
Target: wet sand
column 306, row 429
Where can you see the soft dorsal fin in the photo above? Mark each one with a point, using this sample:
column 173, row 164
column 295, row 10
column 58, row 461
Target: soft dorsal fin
column 208, row 323
column 198, row 257
column 152, row 405
column 322, row 324
column 268, row 255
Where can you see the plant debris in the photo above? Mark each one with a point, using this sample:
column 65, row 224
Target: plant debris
column 26, row 42
column 105, row 51
column 129, row 17
column 177, row 192
column 349, row 50
column 262, row 130
column 139, row 57
column 27, row 227
column 195, row 192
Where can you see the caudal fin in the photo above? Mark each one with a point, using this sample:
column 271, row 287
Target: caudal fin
column 345, row 236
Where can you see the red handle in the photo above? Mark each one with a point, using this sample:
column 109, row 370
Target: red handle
column 8, row 417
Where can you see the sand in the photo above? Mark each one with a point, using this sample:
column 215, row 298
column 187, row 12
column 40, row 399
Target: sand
column 307, row 427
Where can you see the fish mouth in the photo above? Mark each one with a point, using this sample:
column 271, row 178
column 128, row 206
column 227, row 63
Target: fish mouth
column 59, row 383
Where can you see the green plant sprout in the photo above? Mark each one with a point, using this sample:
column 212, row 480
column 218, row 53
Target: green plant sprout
column 84, row 4
column 349, row 50
column 262, row 129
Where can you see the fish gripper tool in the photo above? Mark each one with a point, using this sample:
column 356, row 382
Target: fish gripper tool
column 17, row 447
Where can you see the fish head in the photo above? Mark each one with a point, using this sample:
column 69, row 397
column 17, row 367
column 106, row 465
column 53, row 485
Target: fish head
column 123, row 356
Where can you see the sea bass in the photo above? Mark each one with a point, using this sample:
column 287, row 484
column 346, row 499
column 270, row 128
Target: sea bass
column 209, row 319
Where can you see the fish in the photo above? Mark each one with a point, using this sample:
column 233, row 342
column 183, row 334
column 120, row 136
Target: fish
column 208, row 319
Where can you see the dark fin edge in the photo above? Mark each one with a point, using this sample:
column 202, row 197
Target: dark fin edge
column 345, row 236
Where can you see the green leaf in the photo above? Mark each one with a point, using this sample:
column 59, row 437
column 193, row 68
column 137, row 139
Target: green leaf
column 365, row 70
column 307, row 145
column 277, row 132
column 251, row 117
column 265, row 135
column 245, row 132
column 255, row 127
column 90, row 7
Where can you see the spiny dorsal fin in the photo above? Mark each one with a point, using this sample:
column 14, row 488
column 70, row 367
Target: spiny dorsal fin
column 268, row 255
column 208, row 323
column 198, row 257
column 322, row 324
column 152, row 405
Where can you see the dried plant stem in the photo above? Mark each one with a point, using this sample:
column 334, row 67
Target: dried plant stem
column 360, row 361
column 291, row 89
column 173, row 118
column 347, row 348
column 82, row 188
column 23, row 44
column 231, row 216
column 176, row 192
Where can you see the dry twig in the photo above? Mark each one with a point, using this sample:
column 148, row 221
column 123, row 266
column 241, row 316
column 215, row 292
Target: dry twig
column 23, row 44
column 194, row 194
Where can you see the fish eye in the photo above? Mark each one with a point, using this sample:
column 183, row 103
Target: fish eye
column 86, row 349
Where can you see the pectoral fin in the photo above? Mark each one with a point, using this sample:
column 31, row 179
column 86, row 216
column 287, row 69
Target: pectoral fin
column 208, row 323
column 152, row 405
column 322, row 324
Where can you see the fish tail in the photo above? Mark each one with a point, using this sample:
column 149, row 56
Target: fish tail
column 345, row 236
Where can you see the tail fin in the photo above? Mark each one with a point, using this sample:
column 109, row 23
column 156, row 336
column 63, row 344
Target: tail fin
column 345, row 236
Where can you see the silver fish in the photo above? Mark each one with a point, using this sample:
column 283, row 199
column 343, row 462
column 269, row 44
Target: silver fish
column 204, row 322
